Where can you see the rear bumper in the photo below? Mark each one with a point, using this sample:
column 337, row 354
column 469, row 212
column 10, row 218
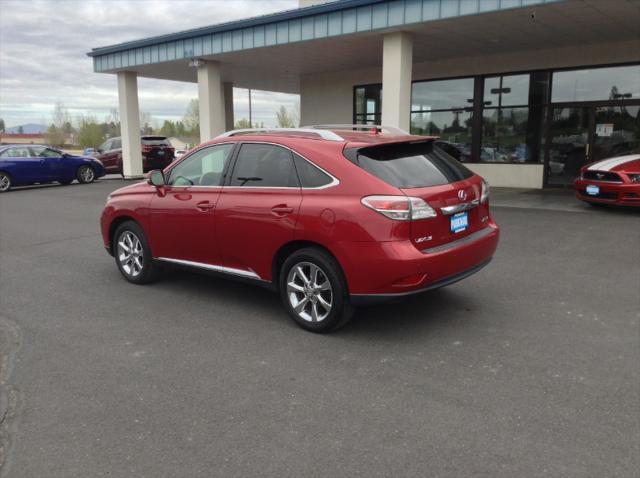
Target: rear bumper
column 624, row 194
column 372, row 299
column 382, row 271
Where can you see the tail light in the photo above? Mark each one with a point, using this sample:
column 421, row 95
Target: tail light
column 486, row 191
column 400, row 208
column 146, row 148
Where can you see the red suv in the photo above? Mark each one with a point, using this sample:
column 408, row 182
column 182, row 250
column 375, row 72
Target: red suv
column 330, row 219
column 157, row 153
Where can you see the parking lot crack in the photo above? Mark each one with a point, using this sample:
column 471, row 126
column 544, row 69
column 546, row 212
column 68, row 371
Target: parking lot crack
column 45, row 243
column 9, row 345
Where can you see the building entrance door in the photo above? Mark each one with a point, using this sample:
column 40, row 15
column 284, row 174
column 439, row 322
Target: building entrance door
column 579, row 135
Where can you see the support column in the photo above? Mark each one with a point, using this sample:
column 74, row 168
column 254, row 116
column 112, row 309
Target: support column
column 397, row 63
column 211, row 101
column 130, row 124
column 228, row 106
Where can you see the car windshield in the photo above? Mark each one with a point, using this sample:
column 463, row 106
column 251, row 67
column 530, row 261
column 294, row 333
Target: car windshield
column 410, row 165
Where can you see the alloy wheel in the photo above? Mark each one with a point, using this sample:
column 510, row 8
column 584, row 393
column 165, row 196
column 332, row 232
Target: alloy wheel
column 87, row 174
column 5, row 182
column 130, row 254
column 309, row 292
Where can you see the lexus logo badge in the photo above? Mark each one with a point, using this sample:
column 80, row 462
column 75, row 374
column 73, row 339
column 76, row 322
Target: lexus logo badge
column 462, row 195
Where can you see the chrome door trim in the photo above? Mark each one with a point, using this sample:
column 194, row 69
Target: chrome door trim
column 212, row 267
column 465, row 206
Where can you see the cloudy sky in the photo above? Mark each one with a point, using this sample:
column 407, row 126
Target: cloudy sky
column 43, row 46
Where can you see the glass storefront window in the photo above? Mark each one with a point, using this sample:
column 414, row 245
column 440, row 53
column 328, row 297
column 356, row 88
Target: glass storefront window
column 368, row 104
column 506, row 91
column 442, row 94
column 504, row 135
column 451, row 126
column 617, row 83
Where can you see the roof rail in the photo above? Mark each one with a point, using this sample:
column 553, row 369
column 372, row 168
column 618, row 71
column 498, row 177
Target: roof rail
column 366, row 127
column 324, row 134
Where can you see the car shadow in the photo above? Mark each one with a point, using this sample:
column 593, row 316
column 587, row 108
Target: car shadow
column 410, row 318
column 415, row 316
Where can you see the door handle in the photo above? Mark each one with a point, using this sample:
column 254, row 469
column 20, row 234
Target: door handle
column 281, row 210
column 205, row 206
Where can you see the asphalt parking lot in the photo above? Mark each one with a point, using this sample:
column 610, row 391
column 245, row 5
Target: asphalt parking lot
column 529, row 368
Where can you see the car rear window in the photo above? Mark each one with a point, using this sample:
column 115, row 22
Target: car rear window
column 415, row 164
column 155, row 141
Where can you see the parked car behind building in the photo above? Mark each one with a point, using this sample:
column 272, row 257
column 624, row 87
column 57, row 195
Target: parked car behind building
column 157, row 153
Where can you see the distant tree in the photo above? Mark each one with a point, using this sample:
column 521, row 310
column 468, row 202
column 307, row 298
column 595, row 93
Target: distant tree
column 168, row 129
column 55, row 135
column 90, row 133
column 242, row 124
column 20, row 130
column 112, row 123
column 284, row 118
column 146, row 123
column 2, row 125
column 192, row 119
column 61, row 123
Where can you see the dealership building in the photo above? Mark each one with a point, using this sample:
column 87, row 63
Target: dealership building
column 525, row 92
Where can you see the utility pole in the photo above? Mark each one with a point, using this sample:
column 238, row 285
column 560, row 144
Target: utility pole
column 250, row 120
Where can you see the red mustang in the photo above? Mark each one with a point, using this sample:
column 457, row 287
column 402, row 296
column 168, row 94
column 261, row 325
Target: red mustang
column 612, row 181
column 329, row 218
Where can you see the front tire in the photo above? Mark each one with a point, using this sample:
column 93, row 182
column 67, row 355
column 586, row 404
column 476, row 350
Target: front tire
column 314, row 291
column 5, row 182
column 86, row 174
column 132, row 254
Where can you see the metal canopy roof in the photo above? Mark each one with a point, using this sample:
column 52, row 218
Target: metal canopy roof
column 343, row 17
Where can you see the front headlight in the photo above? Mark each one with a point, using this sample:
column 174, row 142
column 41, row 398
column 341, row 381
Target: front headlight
column 486, row 191
column 634, row 178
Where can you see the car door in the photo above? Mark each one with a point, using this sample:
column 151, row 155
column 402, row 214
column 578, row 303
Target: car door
column 258, row 209
column 24, row 166
column 54, row 163
column 183, row 212
column 107, row 156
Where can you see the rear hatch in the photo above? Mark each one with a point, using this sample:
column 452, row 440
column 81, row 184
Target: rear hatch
column 421, row 169
column 157, row 148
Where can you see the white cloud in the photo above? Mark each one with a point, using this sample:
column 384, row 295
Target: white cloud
column 43, row 46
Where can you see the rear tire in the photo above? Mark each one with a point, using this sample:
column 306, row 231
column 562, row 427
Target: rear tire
column 5, row 182
column 133, row 255
column 86, row 174
column 314, row 291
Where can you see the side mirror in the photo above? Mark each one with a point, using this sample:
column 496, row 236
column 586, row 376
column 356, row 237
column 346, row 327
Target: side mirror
column 156, row 178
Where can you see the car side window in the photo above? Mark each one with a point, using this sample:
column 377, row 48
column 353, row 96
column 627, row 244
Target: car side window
column 16, row 153
column 46, row 153
column 310, row 175
column 264, row 165
column 205, row 167
column 106, row 146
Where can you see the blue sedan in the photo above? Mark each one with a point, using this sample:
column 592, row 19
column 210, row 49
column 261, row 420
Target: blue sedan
column 30, row 164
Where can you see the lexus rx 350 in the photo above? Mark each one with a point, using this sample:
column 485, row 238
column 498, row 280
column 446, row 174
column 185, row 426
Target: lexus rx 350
column 329, row 218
